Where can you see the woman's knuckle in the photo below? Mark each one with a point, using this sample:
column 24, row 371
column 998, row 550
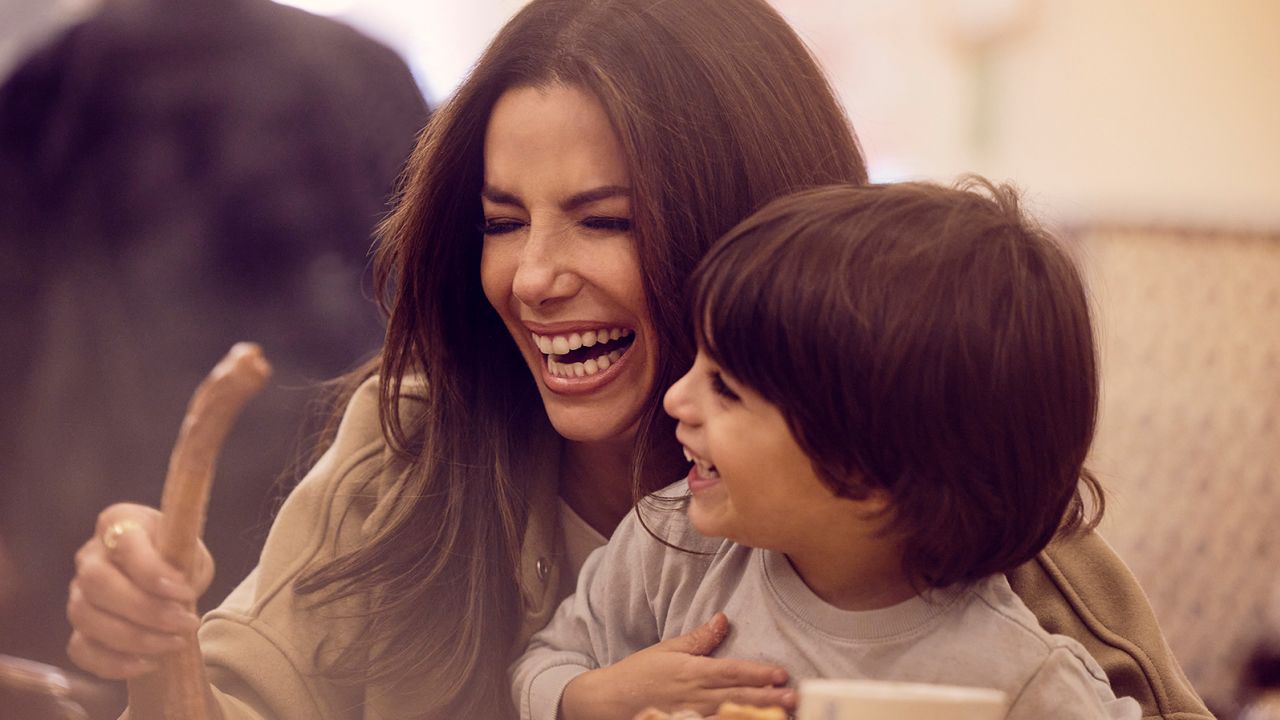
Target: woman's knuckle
column 92, row 576
column 84, row 552
column 125, row 639
column 150, row 643
column 108, row 516
column 78, row 652
column 75, row 611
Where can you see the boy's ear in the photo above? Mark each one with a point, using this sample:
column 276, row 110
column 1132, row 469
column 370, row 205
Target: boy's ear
column 873, row 501
column 877, row 501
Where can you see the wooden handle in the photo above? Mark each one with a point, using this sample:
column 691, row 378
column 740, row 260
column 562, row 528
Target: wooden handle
column 177, row 690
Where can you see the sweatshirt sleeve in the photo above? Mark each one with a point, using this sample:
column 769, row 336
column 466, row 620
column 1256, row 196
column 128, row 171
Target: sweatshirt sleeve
column 1064, row 687
column 608, row 617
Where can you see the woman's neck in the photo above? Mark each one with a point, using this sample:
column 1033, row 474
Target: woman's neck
column 595, row 480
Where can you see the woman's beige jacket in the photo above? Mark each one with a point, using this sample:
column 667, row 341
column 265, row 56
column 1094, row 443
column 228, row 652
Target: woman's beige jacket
column 260, row 644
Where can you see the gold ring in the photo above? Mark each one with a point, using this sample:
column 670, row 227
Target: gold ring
column 114, row 531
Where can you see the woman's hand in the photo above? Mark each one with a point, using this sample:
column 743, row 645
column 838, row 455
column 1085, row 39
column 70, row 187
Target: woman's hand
column 127, row 606
column 675, row 674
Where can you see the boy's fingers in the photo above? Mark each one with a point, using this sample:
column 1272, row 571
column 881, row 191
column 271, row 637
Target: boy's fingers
column 729, row 673
column 700, row 640
column 763, row 697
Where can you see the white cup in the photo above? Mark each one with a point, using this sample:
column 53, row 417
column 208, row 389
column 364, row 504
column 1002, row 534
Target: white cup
column 878, row 700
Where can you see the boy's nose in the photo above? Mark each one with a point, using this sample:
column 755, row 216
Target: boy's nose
column 676, row 401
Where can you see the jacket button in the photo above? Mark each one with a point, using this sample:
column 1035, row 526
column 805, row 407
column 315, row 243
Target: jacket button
column 543, row 568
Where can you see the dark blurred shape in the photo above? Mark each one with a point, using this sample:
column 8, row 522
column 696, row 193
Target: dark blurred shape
column 175, row 176
column 1263, row 670
column 36, row 691
column 1262, row 682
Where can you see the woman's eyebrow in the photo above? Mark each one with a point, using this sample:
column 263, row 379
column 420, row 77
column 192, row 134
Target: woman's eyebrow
column 587, row 197
column 500, row 197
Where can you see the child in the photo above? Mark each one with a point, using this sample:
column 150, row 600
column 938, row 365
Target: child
column 893, row 396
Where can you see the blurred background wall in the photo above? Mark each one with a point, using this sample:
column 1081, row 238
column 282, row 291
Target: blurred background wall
column 1128, row 111
column 1146, row 133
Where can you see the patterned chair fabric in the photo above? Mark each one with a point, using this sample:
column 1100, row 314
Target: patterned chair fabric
column 1188, row 440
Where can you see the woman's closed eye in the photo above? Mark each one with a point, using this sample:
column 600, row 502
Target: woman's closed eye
column 606, row 223
column 500, row 226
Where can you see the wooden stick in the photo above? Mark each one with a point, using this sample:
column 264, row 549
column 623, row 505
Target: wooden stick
column 177, row 690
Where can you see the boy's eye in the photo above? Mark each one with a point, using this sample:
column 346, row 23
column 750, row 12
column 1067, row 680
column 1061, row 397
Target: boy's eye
column 611, row 224
column 721, row 388
column 499, row 226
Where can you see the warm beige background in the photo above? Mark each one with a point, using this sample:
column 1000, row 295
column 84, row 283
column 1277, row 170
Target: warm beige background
column 1125, row 110
column 1117, row 109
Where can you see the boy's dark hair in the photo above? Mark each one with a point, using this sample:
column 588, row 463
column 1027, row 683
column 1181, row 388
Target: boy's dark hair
column 929, row 341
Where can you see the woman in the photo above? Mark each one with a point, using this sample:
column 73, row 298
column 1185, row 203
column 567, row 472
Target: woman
column 551, row 214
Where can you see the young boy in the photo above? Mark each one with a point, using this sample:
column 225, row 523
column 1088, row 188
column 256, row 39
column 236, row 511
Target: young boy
column 893, row 397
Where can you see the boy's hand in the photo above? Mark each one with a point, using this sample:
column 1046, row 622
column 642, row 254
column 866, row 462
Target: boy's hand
column 675, row 675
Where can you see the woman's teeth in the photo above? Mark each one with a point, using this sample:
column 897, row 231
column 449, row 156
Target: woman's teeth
column 561, row 344
column 554, row 346
column 582, row 369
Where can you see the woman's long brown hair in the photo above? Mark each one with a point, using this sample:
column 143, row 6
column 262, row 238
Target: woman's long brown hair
column 719, row 108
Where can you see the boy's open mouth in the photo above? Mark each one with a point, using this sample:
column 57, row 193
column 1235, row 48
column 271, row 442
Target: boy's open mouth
column 704, row 468
column 581, row 354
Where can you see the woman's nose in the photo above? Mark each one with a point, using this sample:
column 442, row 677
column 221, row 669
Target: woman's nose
column 545, row 271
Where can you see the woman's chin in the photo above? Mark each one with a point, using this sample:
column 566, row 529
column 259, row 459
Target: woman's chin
column 583, row 426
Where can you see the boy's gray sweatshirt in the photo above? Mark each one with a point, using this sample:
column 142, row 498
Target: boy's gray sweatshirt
column 636, row 591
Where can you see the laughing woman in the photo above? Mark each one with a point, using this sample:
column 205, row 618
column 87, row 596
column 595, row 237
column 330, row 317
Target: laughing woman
column 533, row 276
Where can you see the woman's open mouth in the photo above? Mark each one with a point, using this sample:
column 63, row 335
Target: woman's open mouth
column 585, row 353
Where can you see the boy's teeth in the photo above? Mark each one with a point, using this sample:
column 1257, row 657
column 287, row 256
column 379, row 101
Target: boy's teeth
column 705, row 468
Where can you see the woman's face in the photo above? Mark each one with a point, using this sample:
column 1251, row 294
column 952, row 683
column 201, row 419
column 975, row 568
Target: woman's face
column 559, row 262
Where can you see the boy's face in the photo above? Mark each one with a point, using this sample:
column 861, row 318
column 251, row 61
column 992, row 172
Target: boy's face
column 751, row 482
